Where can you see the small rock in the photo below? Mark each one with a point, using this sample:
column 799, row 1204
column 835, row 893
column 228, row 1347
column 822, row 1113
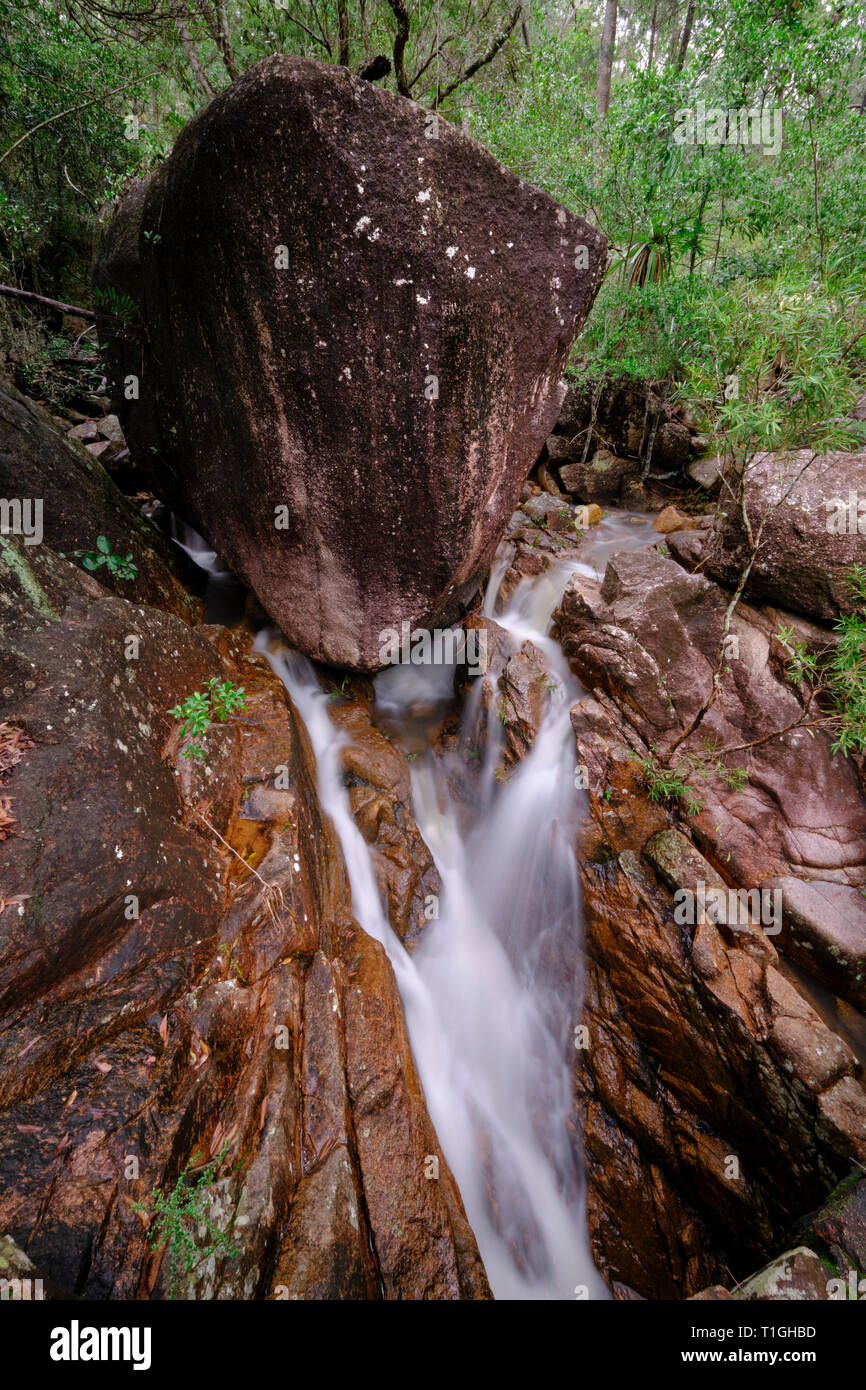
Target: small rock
column 671, row 519
column 110, row 429
column 686, row 547
column 797, row 1276
column 705, row 472
column 86, row 430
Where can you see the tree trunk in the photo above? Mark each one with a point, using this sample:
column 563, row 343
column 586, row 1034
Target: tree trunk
column 194, row 60
column 652, row 36
column 343, row 13
column 402, row 16
column 687, row 34
column 605, row 57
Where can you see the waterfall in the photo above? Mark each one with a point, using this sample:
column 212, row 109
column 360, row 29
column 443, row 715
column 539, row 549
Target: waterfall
column 492, row 992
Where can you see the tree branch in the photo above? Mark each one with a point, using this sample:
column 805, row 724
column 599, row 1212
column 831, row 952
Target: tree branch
column 481, row 62
column 48, row 303
column 400, row 41
column 71, row 110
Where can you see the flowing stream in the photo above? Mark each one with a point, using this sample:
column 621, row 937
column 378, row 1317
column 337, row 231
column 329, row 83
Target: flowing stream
column 492, row 992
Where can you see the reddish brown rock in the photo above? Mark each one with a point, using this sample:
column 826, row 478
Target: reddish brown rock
column 649, row 637
column 376, row 772
column 814, row 530
column 703, row 1047
column 308, row 244
column 241, row 1016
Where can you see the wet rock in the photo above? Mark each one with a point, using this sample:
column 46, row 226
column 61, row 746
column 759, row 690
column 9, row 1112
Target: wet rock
column 182, row 983
column 649, row 638
column 797, row 1276
column 838, row 1231
column 423, row 291
column 600, row 479
column 813, row 532
column 685, row 1014
column 524, row 688
column 380, row 795
column 80, row 502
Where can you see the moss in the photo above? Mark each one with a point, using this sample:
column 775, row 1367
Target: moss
column 27, row 579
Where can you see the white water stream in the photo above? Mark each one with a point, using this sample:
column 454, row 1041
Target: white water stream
column 492, row 993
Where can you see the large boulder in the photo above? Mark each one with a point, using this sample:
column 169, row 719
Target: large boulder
column 795, row 823
column 814, row 531
column 347, row 325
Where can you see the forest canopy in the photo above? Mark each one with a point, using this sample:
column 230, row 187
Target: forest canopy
column 718, row 145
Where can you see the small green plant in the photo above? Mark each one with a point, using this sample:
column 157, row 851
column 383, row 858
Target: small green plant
column 667, row 784
column 227, row 949
column 178, row 1216
column 116, row 303
column 341, row 691
column 838, row 674
column 219, row 700
column 118, row 566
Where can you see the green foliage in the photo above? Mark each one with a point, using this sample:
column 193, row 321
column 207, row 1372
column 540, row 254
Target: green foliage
column 177, row 1218
column 341, row 691
column 115, row 303
column 780, row 368
column 838, row 674
column 219, row 700
column 676, row 783
column 667, row 784
column 119, row 566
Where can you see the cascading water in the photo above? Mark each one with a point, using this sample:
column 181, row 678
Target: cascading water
column 492, row 992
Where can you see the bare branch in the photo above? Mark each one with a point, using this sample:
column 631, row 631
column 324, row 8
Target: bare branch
column 481, row 62
column 49, row 303
column 400, row 41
